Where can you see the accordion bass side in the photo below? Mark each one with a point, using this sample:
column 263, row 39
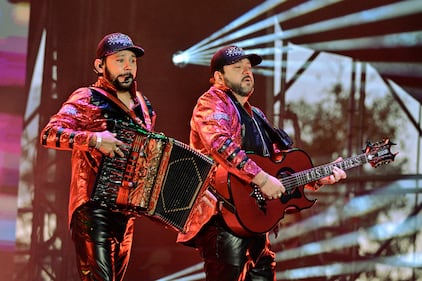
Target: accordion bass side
column 159, row 177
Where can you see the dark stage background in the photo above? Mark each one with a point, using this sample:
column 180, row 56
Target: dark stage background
column 72, row 29
column 75, row 27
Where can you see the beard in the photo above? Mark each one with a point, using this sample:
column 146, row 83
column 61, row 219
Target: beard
column 238, row 88
column 120, row 85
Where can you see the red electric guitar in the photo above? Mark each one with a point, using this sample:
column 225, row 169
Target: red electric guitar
column 247, row 212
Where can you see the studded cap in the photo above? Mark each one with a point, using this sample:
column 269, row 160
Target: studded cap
column 116, row 42
column 230, row 55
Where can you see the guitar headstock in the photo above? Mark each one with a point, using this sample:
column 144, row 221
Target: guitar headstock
column 379, row 153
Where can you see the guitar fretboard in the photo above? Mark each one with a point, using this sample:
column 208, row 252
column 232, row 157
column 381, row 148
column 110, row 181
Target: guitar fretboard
column 316, row 173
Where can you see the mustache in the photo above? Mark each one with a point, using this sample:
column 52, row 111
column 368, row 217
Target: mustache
column 126, row 76
column 246, row 77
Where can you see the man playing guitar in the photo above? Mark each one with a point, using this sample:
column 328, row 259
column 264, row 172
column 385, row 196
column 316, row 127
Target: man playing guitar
column 226, row 127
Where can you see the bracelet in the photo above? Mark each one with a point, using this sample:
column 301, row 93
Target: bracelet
column 99, row 140
column 264, row 181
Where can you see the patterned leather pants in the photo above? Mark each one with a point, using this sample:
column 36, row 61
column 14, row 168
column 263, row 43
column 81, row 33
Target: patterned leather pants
column 103, row 241
column 231, row 258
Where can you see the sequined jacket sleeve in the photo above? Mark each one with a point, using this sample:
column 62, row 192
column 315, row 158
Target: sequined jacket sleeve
column 216, row 131
column 71, row 127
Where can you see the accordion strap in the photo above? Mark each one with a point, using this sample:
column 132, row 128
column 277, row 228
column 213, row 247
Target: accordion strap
column 131, row 113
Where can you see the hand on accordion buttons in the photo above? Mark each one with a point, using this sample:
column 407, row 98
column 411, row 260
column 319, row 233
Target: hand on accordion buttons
column 108, row 144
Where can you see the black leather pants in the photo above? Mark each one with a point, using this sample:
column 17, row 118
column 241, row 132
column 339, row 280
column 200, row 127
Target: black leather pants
column 103, row 241
column 231, row 258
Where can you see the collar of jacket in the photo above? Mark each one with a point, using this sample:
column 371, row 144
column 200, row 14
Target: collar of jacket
column 222, row 88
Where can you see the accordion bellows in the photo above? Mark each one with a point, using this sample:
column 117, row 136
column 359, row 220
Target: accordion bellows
column 159, row 177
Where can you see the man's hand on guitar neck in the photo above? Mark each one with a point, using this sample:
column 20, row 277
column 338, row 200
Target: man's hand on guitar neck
column 337, row 175
column 270, row 186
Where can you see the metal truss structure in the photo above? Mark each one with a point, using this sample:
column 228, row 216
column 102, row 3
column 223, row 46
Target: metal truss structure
column 357, row 236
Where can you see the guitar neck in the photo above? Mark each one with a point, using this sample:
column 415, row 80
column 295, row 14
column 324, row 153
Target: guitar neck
column 307, row 176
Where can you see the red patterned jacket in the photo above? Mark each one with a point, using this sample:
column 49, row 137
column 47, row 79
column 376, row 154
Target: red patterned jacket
column 216, row 132
column 81, row 115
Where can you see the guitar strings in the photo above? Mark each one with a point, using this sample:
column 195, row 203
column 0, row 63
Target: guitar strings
column 307, row 176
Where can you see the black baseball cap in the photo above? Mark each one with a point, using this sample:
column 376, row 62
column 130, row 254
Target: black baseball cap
column 116, row 42
column 232, row 54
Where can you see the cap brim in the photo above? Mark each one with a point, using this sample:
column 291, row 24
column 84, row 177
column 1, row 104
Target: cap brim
column 254, row 59
column 217, row 63
column 139, row 52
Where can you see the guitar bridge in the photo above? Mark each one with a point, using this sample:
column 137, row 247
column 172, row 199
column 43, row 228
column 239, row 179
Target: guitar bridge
column 259, row 198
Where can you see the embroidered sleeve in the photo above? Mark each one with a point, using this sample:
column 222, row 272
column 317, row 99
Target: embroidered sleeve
column 70, row 128
column 218, row 128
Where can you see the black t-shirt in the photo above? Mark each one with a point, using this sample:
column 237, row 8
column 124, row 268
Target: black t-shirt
column 255, row 139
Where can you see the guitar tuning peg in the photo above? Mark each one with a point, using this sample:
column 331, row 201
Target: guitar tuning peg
column 387, row 141
column 367, row 147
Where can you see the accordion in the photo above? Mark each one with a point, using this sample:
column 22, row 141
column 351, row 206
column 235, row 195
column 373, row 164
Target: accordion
column 159, row 177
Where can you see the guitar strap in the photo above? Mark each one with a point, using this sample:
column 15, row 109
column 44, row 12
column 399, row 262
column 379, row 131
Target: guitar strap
column 277, row 135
